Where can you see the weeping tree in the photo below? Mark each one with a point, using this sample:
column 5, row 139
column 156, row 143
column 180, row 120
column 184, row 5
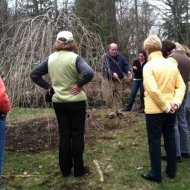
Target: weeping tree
column 31, row 43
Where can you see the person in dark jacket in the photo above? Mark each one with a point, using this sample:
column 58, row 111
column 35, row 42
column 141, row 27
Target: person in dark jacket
column 176, row 54
column 137, row 82
column 113, row 65
column 68, row 73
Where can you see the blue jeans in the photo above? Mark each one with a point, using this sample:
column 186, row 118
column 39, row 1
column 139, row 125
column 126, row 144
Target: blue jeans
column 158, row 124
column 2, row 140
column 181, row 131
column 135, row 86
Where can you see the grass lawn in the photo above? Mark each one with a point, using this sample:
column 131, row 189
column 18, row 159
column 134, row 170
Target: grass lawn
column 120, row 150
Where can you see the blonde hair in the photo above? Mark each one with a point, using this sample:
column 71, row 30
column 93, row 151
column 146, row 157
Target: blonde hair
column 152, row 43
column 180, row 47
column 187, row 50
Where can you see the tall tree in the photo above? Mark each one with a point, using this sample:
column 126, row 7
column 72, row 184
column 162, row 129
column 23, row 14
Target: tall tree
column 99, row 16
column 175, row 16
column 3, row 15
column 111, row 14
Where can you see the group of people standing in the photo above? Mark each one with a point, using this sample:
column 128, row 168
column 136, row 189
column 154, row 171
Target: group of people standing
column 161, row 73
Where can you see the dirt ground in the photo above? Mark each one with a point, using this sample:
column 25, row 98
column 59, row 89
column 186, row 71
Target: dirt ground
column 42, row 134
column 39, row 135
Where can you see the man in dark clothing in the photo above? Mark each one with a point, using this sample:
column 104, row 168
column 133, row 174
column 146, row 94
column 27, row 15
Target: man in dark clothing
column 113, row 65
column 177, row 56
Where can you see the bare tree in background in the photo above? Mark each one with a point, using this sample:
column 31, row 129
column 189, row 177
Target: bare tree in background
column 135, row 19
column 31, row 43
column 137, row 28
column 3, row 15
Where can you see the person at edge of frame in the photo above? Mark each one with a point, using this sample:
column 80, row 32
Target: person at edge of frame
column 175, row 53
column 5, row 107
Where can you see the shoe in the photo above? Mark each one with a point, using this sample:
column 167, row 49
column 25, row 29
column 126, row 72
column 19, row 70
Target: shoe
column 185, row 155
column 141, row 111
column 148, row 177
column 171, row 176
column 120, row 115
column 86, row 171
column 110, row 116
column 64, row 175
column 126, row 109
column 3, row 189
column 164, row 158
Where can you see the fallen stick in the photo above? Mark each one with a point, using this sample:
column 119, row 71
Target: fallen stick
column 99, row 170
column 11, row 176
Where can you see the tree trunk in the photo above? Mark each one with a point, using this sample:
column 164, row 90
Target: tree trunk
column 111, row 13
column 137, row 28
column 36, row 10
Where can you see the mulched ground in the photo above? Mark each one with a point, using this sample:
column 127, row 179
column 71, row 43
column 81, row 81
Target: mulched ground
column 32, row 136
column 42, row 134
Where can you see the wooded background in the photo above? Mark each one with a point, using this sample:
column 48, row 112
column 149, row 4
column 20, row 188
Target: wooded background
column 28, row 29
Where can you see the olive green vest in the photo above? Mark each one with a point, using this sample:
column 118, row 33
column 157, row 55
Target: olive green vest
column 64, row 75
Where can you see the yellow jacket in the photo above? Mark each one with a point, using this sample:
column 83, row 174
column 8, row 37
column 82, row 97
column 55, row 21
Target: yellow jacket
column 163, row 84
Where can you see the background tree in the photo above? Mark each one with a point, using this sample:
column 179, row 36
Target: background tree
column 28, row 29
column 175, row 17
column 3, row 16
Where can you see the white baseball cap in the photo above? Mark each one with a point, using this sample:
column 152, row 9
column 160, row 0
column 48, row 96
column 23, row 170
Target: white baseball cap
column 65, row 34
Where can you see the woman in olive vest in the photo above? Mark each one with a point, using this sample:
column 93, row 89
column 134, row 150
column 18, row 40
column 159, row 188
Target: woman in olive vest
column 68, row 73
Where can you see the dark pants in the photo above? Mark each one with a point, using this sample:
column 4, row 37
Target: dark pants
column 135, row 86
column 71, row 121
column 158, row 124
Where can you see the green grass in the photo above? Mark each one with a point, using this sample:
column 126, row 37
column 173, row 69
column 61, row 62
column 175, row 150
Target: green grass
column 122, row 154
column 18, row 115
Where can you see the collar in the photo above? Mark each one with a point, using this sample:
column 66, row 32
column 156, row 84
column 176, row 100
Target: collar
column 154, row 55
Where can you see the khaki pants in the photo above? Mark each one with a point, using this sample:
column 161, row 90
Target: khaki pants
column 112, row 94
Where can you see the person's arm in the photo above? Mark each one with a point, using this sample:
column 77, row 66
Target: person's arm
column 87, row 74
column 38, row 72
column 85, row 70
column 151, row 87
column 137, row 69
column 179, row 90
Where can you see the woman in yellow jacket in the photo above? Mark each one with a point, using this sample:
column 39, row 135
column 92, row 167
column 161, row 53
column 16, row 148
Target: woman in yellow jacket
column 164, row 92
